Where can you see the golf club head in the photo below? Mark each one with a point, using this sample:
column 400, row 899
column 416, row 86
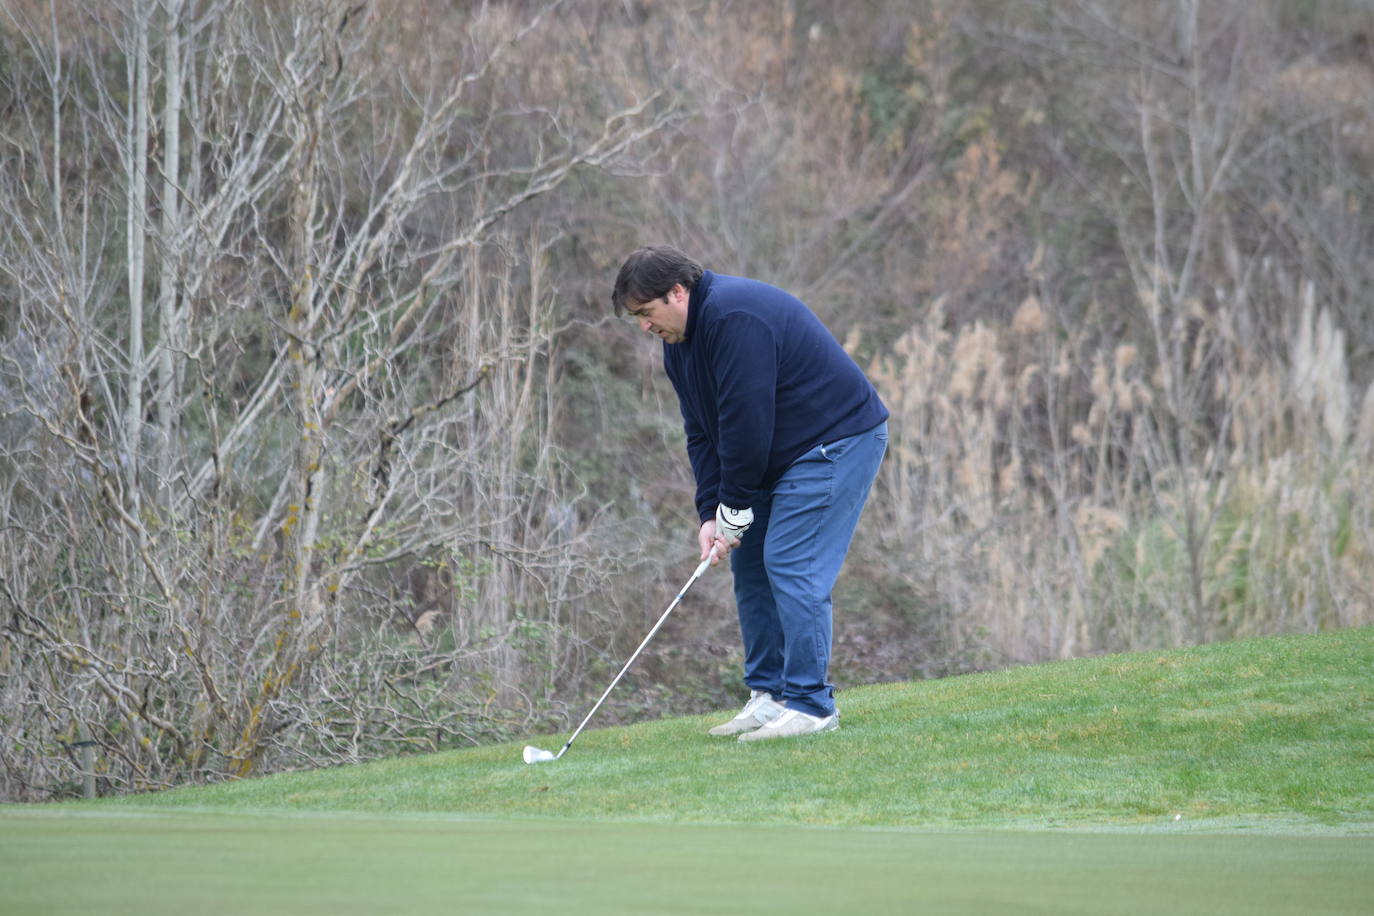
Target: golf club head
column 535, row 755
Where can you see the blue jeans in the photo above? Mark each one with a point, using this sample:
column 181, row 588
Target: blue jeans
column 787, row 563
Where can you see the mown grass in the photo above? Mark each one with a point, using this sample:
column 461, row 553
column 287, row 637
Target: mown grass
column 1229, row 778
column 1266, row 734
column 154, row 863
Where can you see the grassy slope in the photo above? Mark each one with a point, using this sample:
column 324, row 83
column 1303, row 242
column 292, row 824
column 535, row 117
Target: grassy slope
column 1273, row 734
column 1250, row 742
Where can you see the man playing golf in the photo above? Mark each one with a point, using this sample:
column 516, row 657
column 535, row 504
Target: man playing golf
column 785, row 435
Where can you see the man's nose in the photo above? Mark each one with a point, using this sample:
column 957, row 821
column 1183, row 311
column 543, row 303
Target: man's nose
column 644, row 323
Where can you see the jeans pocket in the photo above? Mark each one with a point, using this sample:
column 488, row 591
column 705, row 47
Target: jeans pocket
column 833, row 451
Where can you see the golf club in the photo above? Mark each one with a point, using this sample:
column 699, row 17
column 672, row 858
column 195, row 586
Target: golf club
column 533, row 754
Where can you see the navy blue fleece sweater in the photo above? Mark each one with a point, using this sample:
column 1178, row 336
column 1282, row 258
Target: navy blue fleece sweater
column 761, row 382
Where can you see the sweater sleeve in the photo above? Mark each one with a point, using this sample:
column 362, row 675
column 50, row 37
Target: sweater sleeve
column 746, row 370
column 705, row 466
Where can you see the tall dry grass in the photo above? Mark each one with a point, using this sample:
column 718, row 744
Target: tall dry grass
column 1029, row 510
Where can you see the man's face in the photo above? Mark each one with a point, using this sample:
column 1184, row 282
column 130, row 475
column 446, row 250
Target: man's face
column 665, row 317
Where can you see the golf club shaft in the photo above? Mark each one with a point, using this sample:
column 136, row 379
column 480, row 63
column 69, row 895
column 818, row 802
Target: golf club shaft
column 695, row 576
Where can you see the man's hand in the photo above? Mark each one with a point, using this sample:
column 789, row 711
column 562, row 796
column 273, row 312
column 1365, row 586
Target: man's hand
column 722, row 533
column 732, row 523
column 711, row 545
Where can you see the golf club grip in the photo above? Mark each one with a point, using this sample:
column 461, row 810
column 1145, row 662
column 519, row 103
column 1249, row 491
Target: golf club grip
column 695, row 576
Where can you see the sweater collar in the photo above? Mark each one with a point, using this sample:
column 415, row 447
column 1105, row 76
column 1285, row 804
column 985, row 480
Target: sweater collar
column 694, row 302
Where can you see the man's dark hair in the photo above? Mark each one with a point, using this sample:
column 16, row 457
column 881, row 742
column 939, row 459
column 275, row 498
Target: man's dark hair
column 650, row 273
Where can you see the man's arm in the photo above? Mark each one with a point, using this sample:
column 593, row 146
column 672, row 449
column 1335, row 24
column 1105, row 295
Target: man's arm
column 705, row 466
column 745, row 363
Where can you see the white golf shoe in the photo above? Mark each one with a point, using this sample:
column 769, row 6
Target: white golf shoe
column 760, row 710
column 792, row 723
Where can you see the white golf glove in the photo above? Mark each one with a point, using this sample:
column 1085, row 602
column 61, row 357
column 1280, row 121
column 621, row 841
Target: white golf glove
column 732, row 523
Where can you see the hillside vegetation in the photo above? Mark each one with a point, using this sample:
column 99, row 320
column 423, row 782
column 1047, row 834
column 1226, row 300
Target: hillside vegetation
column 319, row 443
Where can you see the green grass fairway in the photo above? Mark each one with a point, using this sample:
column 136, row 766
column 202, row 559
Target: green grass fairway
column 1234, row 778
column 1266, row 734
column 206, row 864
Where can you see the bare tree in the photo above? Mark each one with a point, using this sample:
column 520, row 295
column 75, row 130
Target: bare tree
column 320, row 364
